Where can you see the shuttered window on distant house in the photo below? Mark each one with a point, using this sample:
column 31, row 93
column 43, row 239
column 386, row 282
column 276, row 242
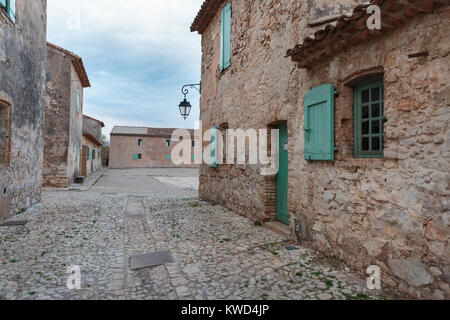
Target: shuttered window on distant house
column 319, row 123
column 10, row 7
column 168, row 157
column 135, row 156
column 369, row 118
column 214, row 145
column 76, row 153
column 225, row 38
column 89, row 154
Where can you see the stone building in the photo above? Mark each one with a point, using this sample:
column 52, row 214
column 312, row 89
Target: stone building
column 66, row 79
column 363, row 117
column 22, row 85
column 92, row 145
column 138, row 147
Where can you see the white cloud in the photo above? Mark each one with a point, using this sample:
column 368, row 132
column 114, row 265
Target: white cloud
column 137, row 54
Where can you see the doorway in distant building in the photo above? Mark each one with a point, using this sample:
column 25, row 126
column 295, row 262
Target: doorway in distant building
column 282, row 177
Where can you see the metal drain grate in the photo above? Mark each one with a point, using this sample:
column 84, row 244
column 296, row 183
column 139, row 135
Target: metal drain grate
column 134, row 216
column 149, row 260
column 14, row 224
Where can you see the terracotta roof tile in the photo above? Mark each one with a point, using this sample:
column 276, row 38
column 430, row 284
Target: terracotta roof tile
column 207, row 12
column 144, row 131
column 349, row 30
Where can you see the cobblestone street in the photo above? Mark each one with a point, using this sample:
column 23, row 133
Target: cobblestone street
column 218, row 254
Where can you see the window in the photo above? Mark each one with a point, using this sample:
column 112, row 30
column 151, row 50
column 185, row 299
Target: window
column 193, row 143
column 224, row 147
column 225, row 38
column 139, row 156
column 369, row 118
column 5, row 133
column 214, row 145
column 135, row 156
column 140, row 142
column 78, row 100
column 168, row 143
column 10, row 7
column 168, row 157
column 89, row 154
column 93, row 154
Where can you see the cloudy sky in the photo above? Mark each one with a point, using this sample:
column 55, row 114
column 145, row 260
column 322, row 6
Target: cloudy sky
column 138, row 55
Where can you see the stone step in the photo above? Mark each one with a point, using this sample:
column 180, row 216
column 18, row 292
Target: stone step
column 279, row 228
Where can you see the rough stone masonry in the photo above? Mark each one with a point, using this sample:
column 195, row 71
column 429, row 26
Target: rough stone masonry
column 22, row 87
column 391, row 211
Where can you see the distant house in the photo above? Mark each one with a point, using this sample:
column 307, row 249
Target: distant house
column 23, row 26
column 66, row 79
column 138, row 147
column 92, row 145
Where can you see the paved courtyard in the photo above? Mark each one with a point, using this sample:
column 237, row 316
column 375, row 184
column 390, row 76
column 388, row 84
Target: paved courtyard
column 218, row 254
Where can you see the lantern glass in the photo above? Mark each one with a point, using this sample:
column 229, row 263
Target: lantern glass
column 185, row 108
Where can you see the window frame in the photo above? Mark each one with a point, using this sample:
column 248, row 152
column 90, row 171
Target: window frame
column 368, row 84
column 10, row 11
column 140, row 142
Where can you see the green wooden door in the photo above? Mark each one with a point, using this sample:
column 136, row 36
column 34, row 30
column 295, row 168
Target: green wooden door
column 282, row 177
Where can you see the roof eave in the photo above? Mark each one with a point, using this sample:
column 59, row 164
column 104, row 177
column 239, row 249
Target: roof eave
column 352, row 30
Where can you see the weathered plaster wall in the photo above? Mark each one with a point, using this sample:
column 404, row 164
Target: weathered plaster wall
column 76, row 125
column 22, row 74
column 153, row 150
column 94, row 162
column 92, row 127
column 57, row 117
column 63, row 126
column 391, row 212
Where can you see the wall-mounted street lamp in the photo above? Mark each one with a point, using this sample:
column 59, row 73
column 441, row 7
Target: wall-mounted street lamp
column 185, row 105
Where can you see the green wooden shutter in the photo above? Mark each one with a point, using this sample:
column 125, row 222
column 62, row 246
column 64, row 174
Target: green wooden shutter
column 76, row 153
column 168, row 157
column 135, row 156
column 78, row 100
column 12, row 9
column 10, row 6
column 319, row 124
column 89, row 154
column 225, row 32
column 214, row 145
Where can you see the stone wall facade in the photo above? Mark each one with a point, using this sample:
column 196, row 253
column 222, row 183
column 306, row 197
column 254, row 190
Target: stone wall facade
column 22, row 88
column 92, row 145
column 391, row 212
column 154, row 151
column 91, row 156
column 63, row 119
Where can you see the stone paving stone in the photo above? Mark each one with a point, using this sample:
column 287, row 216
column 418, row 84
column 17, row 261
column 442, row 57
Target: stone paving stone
column 218, row 254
